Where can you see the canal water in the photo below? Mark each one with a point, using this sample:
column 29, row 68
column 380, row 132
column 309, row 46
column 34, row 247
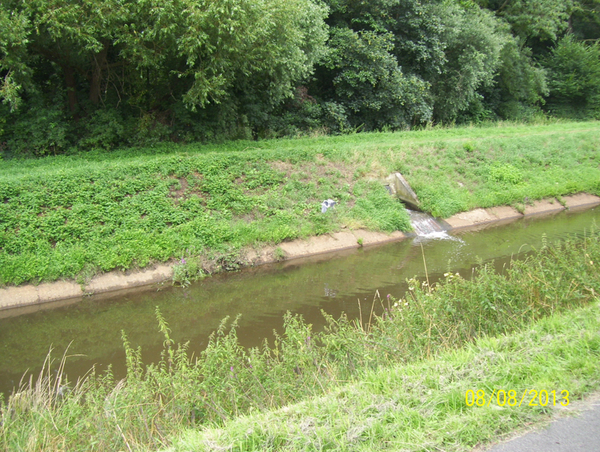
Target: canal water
column 334, row 283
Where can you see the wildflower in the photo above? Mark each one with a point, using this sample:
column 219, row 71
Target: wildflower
column 183, row 261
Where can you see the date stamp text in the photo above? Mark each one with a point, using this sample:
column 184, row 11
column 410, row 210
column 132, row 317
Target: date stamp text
column 512, row 398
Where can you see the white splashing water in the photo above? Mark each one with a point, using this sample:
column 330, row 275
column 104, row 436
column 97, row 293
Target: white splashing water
column 426, row 227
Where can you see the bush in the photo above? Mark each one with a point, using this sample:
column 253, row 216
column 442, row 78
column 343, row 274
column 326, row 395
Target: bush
column 150, row 129
column 38, row 131
column 105, row 129
column 506, row 174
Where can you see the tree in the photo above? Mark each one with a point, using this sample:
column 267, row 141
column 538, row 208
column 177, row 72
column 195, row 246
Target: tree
column 585, row 19
column 542, row 19
column 14, row 32
column 368, row 82
column 148, row 55
column 520, row 84
column 574, row 79
column 472, row 42
column 443, row 52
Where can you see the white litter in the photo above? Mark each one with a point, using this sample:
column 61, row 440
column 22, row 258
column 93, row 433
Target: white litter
column 327, row 204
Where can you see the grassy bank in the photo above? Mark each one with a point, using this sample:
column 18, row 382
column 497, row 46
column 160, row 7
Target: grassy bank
column 422, row 406
column 75, row 216
column 396, row 380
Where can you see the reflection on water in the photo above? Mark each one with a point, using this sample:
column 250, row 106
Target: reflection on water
column 333, row 283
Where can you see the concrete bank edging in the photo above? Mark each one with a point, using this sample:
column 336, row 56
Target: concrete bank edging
column 482, row 218
column 20, row 296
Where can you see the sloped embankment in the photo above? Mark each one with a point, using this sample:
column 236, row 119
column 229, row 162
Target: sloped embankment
column 205, row 208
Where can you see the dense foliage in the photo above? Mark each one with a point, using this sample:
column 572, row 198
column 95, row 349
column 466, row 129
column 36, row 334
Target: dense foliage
column 77, row 75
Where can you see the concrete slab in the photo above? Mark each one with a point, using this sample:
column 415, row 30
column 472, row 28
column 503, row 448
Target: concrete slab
column 543, row 206
column 259, row 257
column 117, row 280
column 375, row 238
column 320, row 244
column 581, row 200
column 504, row 213
column 59, row 290
column 468, row 219
column 328, row 243
column 402, row 190
column 12, row 297
column 482, row 218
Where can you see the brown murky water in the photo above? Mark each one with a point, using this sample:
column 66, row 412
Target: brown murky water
column 333, row 283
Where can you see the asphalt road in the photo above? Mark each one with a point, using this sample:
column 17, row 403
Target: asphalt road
column 579, row 433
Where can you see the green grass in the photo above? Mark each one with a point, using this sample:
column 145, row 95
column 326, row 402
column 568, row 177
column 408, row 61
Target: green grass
column 422, row 406
column 75, row 216
column 394, row 381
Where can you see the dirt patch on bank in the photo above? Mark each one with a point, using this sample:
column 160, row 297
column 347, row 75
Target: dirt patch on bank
column 320, row 168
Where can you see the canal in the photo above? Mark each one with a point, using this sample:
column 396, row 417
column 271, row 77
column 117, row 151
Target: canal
column 334, row 283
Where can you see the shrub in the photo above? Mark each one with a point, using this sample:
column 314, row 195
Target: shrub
column 39, row 130
column 105, row 129
column 505, row 173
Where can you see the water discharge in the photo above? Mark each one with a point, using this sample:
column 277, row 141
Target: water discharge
column 262, row 295
column 426, row 227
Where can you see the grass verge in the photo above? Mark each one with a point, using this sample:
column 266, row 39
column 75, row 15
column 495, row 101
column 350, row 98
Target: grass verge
column 422, row 406
column 75, row 216
column 397, row 380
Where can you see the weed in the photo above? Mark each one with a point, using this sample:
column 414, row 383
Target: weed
column 520, row 207
column 469, row 147
column 188, row 268
column 278, row 254
column 505, row 173
column 423, row 404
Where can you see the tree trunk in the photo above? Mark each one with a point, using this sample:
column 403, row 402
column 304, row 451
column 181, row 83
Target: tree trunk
column 71, row 88
column 98, row 63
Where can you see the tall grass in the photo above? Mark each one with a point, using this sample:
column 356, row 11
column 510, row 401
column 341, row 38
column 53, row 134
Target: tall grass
column 421, row 406
column 154, row 402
